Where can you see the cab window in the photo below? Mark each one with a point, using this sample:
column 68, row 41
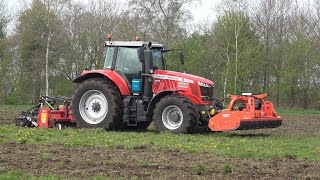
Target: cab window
column 157, row 59
column 109, row 57
column 128, row 61
column 128, row 64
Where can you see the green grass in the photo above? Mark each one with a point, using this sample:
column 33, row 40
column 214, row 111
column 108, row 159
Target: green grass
column 16, row 107
column 227, row 168
column 227, row 144
column 297, row 111
column 8, row 175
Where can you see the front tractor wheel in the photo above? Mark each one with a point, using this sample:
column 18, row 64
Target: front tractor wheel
column 96, row 104
column 176, row 114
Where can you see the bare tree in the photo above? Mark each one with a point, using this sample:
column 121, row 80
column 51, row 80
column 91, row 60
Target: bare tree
column 272, row 19
column 86, row 27
column 162, row 20
column 53, row 9
column 233, row 7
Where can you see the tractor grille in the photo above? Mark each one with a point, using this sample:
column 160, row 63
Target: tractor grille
column 206, row 93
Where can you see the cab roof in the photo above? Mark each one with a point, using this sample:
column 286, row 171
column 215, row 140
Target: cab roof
column 131, row 44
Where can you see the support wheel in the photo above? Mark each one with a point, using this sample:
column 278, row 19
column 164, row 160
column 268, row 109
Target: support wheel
column 176, row 114
column 97, row 104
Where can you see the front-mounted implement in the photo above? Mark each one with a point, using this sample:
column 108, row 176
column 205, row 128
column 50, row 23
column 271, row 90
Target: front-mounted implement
column 47, row 113
column 246, row 111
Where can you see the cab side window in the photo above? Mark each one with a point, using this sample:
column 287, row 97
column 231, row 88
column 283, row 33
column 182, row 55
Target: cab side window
column 128, row 64
column 109, row 57
column 128, row 61
column 157, row 59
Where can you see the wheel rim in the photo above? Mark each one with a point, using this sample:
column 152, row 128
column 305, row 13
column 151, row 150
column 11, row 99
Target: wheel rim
column 93, row 106
column 172, row 117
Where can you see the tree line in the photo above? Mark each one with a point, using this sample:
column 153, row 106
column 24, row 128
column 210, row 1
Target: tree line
column 259, row 46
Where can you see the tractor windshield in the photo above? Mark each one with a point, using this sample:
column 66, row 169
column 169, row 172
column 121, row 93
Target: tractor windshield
column 109, row 57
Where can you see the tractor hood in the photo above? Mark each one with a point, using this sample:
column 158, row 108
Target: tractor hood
column 173, row 75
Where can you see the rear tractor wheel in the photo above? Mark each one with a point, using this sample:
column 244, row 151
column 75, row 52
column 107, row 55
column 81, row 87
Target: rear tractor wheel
column 96, row 104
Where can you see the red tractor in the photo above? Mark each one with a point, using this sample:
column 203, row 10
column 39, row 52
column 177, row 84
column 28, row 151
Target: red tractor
column 134, row 88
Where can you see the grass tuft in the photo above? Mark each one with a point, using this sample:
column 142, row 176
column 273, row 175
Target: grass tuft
column 8, row 175
column 227, row 168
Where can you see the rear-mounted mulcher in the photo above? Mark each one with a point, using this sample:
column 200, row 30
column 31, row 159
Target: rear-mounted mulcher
column 48, row 114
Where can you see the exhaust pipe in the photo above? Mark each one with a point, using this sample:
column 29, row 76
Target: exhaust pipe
column 145, row 56
column 147, row 76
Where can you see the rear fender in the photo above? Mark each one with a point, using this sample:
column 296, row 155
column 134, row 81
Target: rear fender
column 113, row 76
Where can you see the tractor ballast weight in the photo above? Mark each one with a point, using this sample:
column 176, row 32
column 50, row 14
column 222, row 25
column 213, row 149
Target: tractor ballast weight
column 244, row 112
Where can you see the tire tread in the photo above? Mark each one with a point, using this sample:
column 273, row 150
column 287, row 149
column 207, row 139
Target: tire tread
column 189, row 126
column 114, row 107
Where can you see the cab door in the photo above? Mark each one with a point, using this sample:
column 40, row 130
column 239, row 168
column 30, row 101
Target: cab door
column 128, row 64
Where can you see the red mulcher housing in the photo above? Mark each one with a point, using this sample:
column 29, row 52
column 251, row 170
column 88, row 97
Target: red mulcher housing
column 135, row 89
column 46, row 114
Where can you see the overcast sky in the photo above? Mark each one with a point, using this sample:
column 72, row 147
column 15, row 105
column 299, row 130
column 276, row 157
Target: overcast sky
column 206, row 10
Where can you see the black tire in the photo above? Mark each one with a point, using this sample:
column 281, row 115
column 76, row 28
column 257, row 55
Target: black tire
column 105, row 92
column 183, row 116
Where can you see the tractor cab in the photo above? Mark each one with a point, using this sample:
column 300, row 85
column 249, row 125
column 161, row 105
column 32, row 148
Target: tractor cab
column 122, row 56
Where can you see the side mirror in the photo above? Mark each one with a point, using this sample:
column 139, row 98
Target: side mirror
column 181, row 56
column 149, row 45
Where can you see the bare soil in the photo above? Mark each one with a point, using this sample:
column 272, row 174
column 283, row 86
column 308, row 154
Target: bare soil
column 145, row 162
column 7, row 116
column 142, row 162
